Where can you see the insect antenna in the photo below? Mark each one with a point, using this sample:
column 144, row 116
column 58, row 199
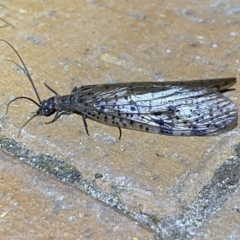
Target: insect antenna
column 30, row 99
column 31, row 118
column 9, row 60
column 25, row 69
column 22, row 97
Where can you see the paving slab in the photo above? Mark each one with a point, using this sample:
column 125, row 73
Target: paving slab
column 36, row 206
column 149, row 177
column 225, row 224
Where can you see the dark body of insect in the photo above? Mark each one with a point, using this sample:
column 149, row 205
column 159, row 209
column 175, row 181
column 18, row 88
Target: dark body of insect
column 182, row 108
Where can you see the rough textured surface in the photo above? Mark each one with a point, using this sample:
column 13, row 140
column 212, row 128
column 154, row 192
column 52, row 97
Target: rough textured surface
column 75, row 43
column 39, row 207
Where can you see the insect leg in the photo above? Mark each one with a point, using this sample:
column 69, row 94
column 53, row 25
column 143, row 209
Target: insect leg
column 84, row 117
column 120, row 132
column 51, row 89
column 56, row 116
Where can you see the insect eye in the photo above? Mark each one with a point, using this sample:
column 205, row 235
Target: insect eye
column 46, row 111
column 47, row 107
column 44, row 104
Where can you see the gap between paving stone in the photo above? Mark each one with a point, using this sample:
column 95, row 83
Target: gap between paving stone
column 210, row 199
column 180, row 225
column 69, row 174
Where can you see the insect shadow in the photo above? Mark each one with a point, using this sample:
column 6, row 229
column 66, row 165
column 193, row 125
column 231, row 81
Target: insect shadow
column 5, row 21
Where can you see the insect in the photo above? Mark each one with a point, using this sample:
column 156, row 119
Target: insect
column 178, row 108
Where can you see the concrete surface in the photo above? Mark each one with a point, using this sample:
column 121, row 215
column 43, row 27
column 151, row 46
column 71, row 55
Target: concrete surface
column 161, row 182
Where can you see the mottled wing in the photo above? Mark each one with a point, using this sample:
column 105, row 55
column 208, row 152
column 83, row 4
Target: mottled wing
column 170, row 108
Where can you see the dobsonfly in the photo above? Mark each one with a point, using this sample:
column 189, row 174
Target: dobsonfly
column 176, row 108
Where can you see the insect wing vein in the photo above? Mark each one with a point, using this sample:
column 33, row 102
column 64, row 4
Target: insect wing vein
column 169, row 108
